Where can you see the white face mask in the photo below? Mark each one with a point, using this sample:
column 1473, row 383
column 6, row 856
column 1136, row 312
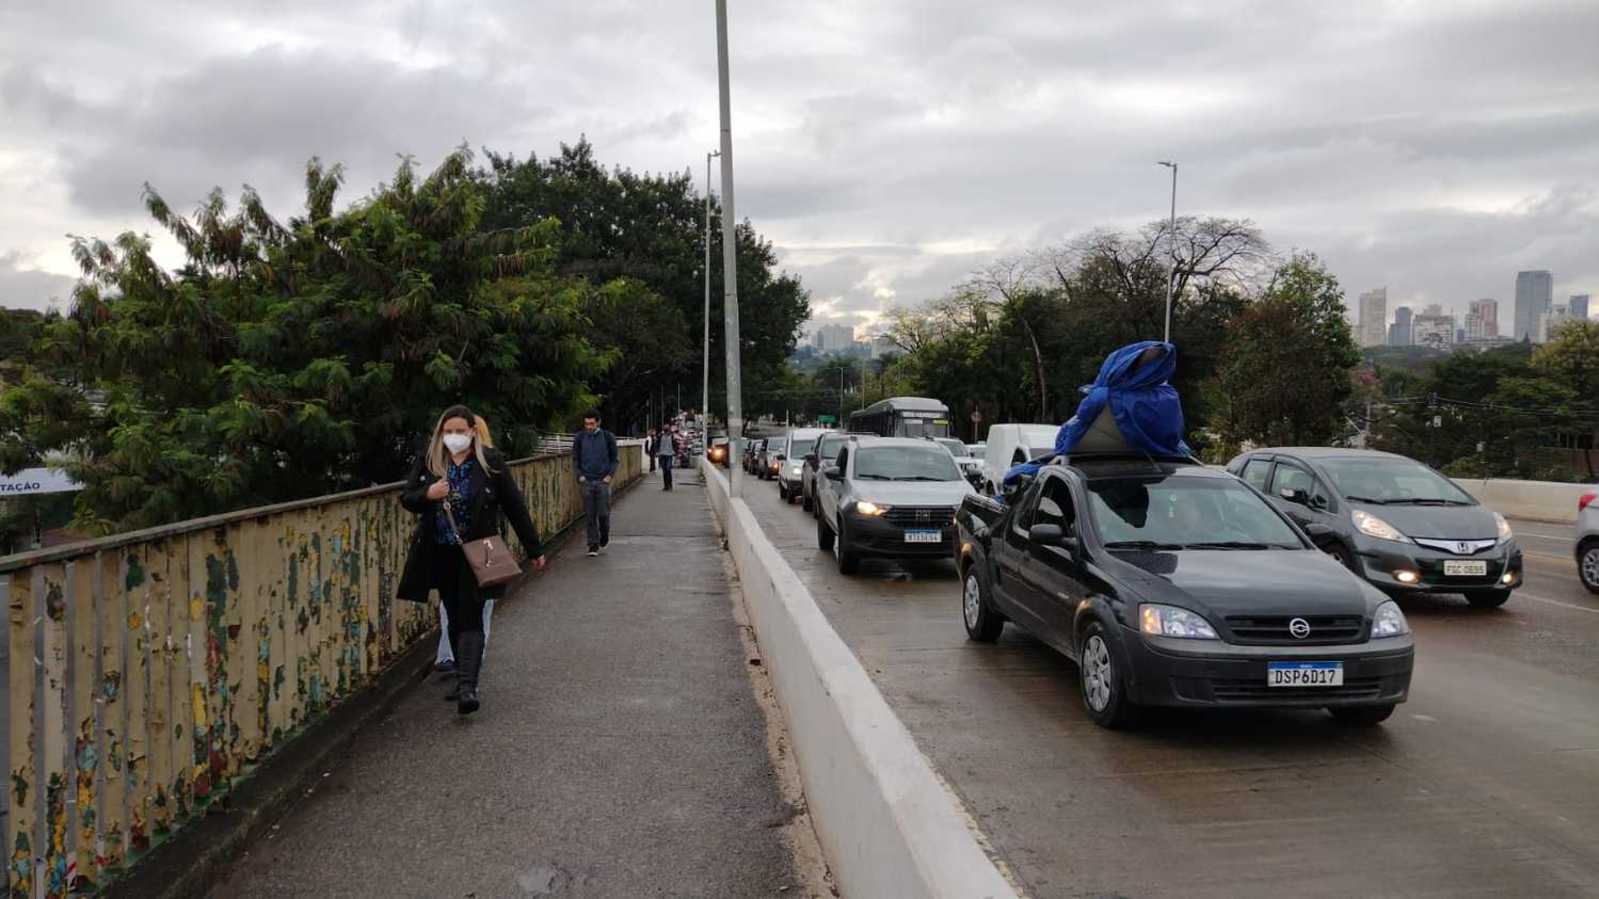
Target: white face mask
column 457, row 443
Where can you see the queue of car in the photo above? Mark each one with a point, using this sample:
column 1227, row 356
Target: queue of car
column 1271, row 583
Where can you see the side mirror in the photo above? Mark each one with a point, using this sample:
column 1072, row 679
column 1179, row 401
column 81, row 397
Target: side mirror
column 833, row 473
column 1046, row 534
column 781, row 458
column 1293, row 495
column 1317, row 502
column 811, row 458
column 1321, row 535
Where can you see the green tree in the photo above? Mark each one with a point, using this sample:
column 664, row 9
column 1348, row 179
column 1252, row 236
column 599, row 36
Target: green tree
column 1285, row 374
column 651, row 229
column 290, row 360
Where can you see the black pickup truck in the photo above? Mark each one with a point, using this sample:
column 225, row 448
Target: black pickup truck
column 1173, row 584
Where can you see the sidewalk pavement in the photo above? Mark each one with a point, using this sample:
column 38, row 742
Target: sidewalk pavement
column 620, row 750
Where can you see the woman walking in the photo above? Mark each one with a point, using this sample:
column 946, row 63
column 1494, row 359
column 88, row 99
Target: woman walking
column 444, row 659
column 459, row 488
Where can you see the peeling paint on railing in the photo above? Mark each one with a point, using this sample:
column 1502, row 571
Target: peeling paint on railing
column 148, row 671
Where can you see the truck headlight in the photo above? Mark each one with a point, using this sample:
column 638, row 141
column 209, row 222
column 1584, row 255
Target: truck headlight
column 1170, row 621
column 1372, row 526
column 1389, row 621
column 1504, row 527
column 863, row 507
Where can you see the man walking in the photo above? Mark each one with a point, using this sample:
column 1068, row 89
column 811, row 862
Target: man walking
column 651, row 441
column 664, row 450
column 594, row 459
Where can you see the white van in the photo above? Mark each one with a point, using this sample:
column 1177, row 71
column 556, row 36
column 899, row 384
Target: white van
column 1013, row 444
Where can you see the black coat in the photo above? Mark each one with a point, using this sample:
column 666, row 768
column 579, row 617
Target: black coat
column 493, row 493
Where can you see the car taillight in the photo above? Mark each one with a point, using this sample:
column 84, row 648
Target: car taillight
column 1585, row 499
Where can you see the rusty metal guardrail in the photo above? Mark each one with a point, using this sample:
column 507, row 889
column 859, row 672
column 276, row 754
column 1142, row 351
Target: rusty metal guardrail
column 146, row 672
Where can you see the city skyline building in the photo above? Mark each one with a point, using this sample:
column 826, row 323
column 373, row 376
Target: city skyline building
column 1374, row 317
column 1535, row 290
column 1482, row 319
column 1578, row 306
column 833, row 338
column 1433, row 329
column 1399, row 331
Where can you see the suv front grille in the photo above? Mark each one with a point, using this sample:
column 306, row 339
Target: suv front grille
column 1272, row 630
column 920, row 516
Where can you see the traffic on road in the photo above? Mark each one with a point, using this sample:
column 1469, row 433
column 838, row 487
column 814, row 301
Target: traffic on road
column 1144, row 652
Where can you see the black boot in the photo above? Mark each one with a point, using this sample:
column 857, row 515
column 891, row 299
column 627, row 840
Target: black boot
column 454, row 675
column 467, row 665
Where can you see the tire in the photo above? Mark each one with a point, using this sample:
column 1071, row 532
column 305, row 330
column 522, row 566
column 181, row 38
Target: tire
column 848, row 561
column 782, row 492
column 805, row 499
column 824, row 536
column 1588, row 565
column 1487, row 599
column 1100, row 681
column 1362, row 715
column 983, row 624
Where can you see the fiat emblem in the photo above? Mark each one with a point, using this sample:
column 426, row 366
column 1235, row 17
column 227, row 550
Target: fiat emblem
column 1300, row 628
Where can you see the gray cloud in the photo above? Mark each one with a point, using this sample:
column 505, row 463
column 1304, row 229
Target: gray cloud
column 24, row 287
column 887, row 148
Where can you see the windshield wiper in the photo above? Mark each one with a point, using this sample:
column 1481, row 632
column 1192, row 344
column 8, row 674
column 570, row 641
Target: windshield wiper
column 1141, row 544
column 1367, row 499
column 872, row 477
column 1236, row 544
column 1426, row 501
column 921, row 477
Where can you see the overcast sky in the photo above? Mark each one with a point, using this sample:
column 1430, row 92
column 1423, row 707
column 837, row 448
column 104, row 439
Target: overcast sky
column 887, row 147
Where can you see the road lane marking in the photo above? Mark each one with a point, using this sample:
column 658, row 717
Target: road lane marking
column 1521, row 594
column 1551, row 557
column 1545, row 536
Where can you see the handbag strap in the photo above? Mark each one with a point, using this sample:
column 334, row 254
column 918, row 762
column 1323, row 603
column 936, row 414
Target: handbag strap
column 450, row 517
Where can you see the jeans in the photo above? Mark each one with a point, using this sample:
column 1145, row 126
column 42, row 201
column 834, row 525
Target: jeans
column 597, row 509
column 666, row 471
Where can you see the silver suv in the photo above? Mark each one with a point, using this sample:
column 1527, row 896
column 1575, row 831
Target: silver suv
column 891, row 497
column 1588, row 539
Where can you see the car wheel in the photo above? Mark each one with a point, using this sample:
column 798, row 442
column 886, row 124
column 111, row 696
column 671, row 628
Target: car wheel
column 805, row 500
column 1099, row 674
column 1362, row 715
column 1487, row 599
column 1588, row 566
column 983, row 624
column 848, row 561
column 782, row 492
column 824, row 536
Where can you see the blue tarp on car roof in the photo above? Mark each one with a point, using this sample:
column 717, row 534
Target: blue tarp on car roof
column 1133, row 389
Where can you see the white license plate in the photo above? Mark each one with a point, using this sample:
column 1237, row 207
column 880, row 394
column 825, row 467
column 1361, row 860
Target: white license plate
column 1304, row 674
column 923, row 536
column 1453, row 568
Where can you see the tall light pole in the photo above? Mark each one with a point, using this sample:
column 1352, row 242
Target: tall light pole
column 735, row 400
column 705, row 387
column 1171, row 236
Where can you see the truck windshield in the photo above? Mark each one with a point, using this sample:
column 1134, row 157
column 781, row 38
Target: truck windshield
column 1185, row 512
column 905, row 463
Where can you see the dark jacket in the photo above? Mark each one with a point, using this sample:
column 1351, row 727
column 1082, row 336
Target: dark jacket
column 594, row 455
column 493, row 493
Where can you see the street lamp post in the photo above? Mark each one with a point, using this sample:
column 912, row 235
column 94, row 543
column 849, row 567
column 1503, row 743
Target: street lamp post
column 1171, row 235
column 705, row 387
column 735, row 399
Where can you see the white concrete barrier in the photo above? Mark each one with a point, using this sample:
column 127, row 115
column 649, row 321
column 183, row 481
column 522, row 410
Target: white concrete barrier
column 1535, row 500
column 888, row 825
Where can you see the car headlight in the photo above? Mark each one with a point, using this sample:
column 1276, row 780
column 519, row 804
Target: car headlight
column 1372, row 526
column 1170, row 621
column 1389, row 621
column 862, row 507
column 1504, row 527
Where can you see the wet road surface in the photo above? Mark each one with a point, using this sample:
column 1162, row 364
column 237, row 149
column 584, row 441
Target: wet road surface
column 1485, row 783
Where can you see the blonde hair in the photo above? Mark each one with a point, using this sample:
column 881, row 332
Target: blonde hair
column 438, row 455
column 483, row 435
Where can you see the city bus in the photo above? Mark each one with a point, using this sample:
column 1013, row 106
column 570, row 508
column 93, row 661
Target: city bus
column 902, row 416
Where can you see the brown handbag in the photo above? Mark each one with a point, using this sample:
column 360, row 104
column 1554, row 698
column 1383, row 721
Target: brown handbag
column 491, row 558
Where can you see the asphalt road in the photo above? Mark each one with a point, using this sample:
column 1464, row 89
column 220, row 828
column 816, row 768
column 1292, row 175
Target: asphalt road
column 1485, row 783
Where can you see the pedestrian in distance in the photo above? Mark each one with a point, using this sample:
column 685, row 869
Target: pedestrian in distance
column 459, row 490
column 664, row 450
column 444, row 659
column 651, row 441
column 594, row 461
